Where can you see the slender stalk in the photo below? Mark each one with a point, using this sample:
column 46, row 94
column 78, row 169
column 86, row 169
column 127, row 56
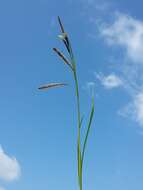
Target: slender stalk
column 79, row 123
column 79, row 157
column 72, row 64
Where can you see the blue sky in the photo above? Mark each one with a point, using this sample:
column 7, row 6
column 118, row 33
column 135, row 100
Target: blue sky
column 38, row 129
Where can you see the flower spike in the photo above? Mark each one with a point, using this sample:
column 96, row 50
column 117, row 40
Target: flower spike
column 61, row 25
column 63, row 57
column 51, row 85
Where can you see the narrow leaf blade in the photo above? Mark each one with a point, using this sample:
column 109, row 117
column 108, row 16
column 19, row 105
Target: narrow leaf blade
column 88, row 128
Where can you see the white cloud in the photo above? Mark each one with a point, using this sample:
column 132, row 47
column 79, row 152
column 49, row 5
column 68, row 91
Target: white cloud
column 126, row 32
column 110, row 81
column 9, row 167
column 138, row 106
column 134, row 109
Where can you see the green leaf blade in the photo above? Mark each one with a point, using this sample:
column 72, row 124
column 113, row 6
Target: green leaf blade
column 88, row 129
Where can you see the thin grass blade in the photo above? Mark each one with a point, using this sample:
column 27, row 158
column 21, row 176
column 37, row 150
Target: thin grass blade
column 81, row 121
column 88, row 128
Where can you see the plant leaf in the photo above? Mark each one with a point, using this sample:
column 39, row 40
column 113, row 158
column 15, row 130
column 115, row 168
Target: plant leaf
column 88, row 128
column 51, row 85
column 81, row 121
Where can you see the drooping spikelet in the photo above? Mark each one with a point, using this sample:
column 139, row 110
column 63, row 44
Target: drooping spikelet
column 51, row 85
column 63, row 57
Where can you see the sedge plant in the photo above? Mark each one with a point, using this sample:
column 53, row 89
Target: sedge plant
column 71, row 63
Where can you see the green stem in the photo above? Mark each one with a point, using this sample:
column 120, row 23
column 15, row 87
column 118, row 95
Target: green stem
column 77, row 96
column 79, row 125
column 79, row 156
column 72, row 64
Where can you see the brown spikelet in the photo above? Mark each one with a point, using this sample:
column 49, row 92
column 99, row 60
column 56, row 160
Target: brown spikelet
column 66, row 40
column 61, row 25
column 51, row 85
column 63, row 57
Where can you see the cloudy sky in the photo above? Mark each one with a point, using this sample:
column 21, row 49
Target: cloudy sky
column 38, row 129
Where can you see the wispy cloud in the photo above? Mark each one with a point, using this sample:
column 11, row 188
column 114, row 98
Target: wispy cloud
column 110, row 81
column 9, row 167
column 138, row 108
column 126, row 33
column 134, row 109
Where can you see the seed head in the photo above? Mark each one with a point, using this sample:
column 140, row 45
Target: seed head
column 51, row 85
column 61, row 55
